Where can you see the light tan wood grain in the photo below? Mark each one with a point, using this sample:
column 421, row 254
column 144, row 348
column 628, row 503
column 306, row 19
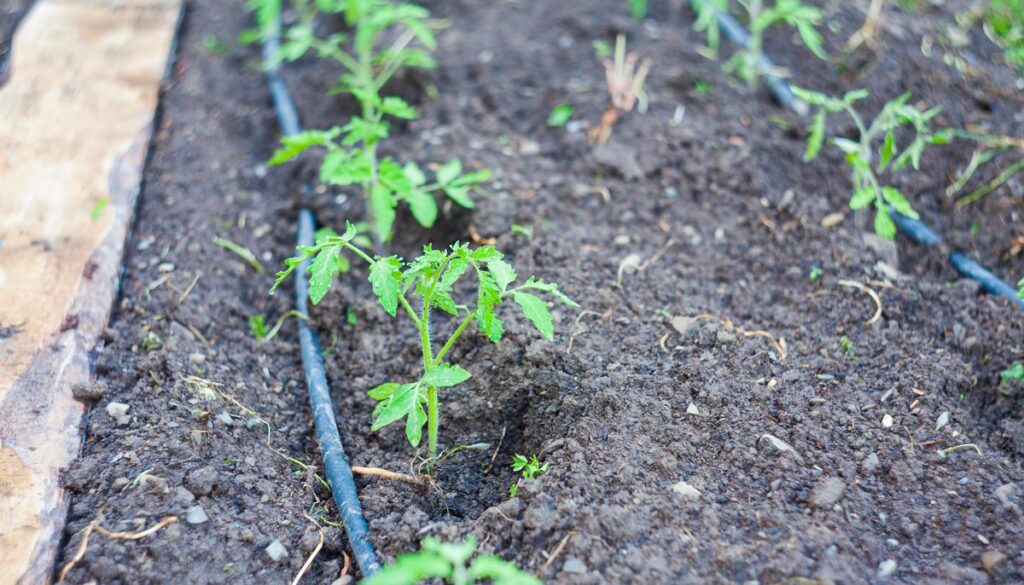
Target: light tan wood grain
column 75, row 120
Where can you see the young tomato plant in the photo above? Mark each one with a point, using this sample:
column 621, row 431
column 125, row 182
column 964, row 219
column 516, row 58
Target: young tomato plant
column 530, row 468
column 430, row 281
column 352, row 157
column 868, row 189
column 746, row 62
column 448, row 562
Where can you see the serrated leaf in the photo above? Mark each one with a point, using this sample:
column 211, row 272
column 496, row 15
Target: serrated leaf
column 386, row 279
column 503, row 272
column 397, row 107
column 294, row 145
column 449, row 171
column 445, row 376
column 549, row 287
column 811, row 39
column 887, row 151
column 322, row 271
column 884, row 225
column 817, row 136
column 863, row 198
column 422, row 206
column 414, row 174
column 488, row 296
column 459, row 195
column 384, row 391
column 893, row 196
column 410, row 569
column 536, row 310
column 414, row 422
column 383, row 206
column 402, row 400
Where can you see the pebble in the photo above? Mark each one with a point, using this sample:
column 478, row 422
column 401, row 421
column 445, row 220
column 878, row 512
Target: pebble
column 990, row 559
column 886, row 568
column 201, row 481
column 887, row 421
column 870, row 464
column 197, row 359
column 686, row 490
column 276, row 551
column 196, row 515
column 779, row 444
column 574, row 565
column 117, row 409
column 828, row 491
column 90, row 392
column 225, row 419
column 692, row 409
column 942, row 421
column 529, row 148
column 183, row 495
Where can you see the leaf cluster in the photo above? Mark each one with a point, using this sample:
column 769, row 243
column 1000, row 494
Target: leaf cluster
column 745, row 62
column 451, row 563
column 880, row 138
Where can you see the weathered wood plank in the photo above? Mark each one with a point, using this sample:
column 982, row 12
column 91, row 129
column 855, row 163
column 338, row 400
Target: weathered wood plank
column 75, row 121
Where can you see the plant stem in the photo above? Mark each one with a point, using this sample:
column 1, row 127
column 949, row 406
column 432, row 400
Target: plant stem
column 451, row 340
column 432, row 423
column 753, row 51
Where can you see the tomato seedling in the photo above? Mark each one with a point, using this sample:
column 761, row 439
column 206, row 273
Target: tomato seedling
column 868, row 189
column 380, row 45
column 529, row 468
column 430, row 280
column 451, row 563
column 746, row 62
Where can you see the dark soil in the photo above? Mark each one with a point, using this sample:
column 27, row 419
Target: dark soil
column 728, row 223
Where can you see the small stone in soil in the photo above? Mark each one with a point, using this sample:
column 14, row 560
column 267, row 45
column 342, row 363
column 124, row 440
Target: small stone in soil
column 886, row 568
column 828, row 491
column 90, row 392
column 117, row 409
column 276, row 551
column 574, row 565
column 870, row 464
column 990, row 559
column 196, row 515
column 686, row 490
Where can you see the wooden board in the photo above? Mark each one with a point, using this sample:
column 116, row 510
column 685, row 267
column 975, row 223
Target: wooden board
column 76, row 117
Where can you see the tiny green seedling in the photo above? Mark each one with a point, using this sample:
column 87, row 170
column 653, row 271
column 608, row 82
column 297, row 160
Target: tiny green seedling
column 846, row 346
column 815, row 274
column 638, row 9
column 529, row 468
column 868, row 189
column 451, row 563
column 560, row 115
column 260, row 331
column 1014, row 372
column 746, row 62
column 430, row 281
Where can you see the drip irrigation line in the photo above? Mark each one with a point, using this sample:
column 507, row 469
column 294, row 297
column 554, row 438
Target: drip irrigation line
column 914, row 229
column 735, row 32
column 337, row 470
column 967, row 267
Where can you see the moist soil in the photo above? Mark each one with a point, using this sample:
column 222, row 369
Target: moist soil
column 710, row 415
column 11, row 13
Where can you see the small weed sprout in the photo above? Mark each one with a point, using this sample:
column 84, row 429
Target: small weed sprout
column 351, row 150
column 529, row 468
column 746, row 62
column 815, row 274
column 430, row 281
column 625, row 75
column 450, row 562
column 560, row 115
column 867, row 188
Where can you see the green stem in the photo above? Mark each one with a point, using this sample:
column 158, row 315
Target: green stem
column 432, row 423
column 451, row 340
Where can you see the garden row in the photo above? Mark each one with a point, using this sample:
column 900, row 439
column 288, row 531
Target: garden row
column 716, row 399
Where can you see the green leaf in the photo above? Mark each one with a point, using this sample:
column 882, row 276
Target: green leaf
column 817, row 137
column 536, row 310
column 445, row 376
column 422, row 205
column 386, row 278
column 322, row 271
column 500, row 571
column 410, row 569
column 397, row 107
column 884, row 225
column 893, row 196
column 384, row 391
column 503, row 273
column 383, row 206
column 863, row 198
column 459, row 195
column 401, row 402
column 560, row 115
column 845, row 145
column 855, row 95
column 449, row 171
column 294, row 145
column 887, row 151
column 414, row 174
column 488, row 296
column 811, row 38
column 548, row 287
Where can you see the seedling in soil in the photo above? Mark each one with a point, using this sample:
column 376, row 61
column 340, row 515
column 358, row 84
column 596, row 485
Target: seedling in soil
column 745, row 63
column 1003, row 23
column 625, row 75
column 868, row 189
column 989, row 147
column 560, row 115
column 638, row 8
column 351, row 150
column 1014, row 372
column 815, row 275
column 430, row 281
column 258, row 325
column 846, row 346
column 530, row 468
column 451, row 563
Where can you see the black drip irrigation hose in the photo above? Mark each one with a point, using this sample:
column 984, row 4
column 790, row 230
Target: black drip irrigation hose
column 735, row 32
column 336, row 467
column 914, row 229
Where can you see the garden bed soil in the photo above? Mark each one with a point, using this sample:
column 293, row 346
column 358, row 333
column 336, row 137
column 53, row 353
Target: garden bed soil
column 11, row 14
column 683, row 447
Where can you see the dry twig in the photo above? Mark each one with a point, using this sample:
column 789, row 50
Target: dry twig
column 871, row 293
column 94, row 526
